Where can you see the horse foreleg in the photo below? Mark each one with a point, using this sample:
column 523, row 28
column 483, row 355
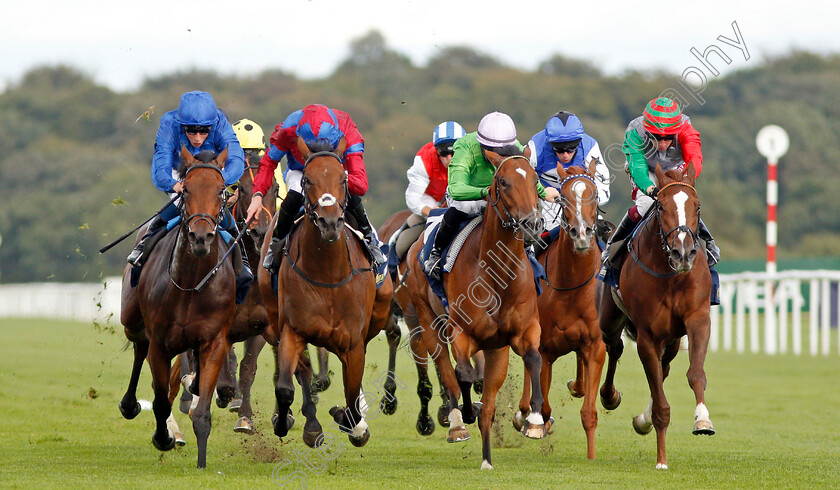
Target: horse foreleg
column 478, row 359
column 698, row 342
column 159, row 365
column 388, row 403
column 312, row 431
column 425, row 423
column 462, row 349
column 494, row 376
column 322, row 379
column 594, row 355
column 129, row 406
column 350, row 420
column 211, row 360
column 527, row 345
column 524, row 400
column 651, row 355
column 611, row 321
column 226, row 385
column 288, row 352
column 577, row 386
column 174, row 389
column 247, row 372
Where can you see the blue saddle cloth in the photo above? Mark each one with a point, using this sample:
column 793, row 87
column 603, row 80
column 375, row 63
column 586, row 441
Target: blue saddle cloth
column 437, row 286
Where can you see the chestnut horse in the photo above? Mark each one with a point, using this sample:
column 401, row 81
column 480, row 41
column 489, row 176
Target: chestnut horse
column 568, row 315
column 493, row 303
column 664, row 287
column 167, row 314
column 327, row 294
column 403, row 307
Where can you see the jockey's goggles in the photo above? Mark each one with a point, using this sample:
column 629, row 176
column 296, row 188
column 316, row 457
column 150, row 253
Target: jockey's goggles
column 191, row 130
column 565, row 147
column 663, row 137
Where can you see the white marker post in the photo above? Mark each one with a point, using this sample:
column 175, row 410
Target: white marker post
column 772, row 142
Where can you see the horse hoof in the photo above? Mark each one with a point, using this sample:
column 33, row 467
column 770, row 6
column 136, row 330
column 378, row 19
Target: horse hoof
column 549, row 425
column 130, row 411
column 486, row 466
column 282, row 427
column 478, row 386
column 518, row 420
column 458, row 434
column 360, row 441
column 224, row 396
column 443, row 416
column 661, row 466
column 179, row 439
column 533, row 431
column 703, row 427
column 425, row 425
column 573, row 389
column 641, row 426
column 313, row 438
column 244, row 425
column 476, row 411
column 314, row 397
column 166, row 445
column 611, row 406
column 388, row 405
column 319, row 385
column 235, row 405
column 290, row 420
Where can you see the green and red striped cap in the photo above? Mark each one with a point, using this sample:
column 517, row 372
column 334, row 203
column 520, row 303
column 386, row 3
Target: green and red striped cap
column 662, row 116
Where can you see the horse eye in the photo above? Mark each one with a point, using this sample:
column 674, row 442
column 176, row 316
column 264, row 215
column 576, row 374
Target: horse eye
column 502, row 182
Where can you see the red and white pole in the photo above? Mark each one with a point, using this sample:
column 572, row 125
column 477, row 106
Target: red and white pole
column 772, row 142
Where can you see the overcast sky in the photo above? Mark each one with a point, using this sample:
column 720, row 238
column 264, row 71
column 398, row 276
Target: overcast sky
column 120, row 43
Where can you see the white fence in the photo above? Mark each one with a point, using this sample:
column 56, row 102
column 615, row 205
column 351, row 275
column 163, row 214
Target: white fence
column 773, row 308
column 779, row 302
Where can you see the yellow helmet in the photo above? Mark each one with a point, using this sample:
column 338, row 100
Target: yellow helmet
column 250, row 134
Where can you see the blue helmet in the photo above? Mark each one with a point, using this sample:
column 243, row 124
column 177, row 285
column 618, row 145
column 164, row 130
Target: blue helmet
column 446, row 133
column 197, row 108
column 563, row 127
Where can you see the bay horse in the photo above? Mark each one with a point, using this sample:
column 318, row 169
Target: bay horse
column 165, row 314
column 664, row 290
column 568, row 314
column 326, row 294
column 404, row 308
column 493, row 303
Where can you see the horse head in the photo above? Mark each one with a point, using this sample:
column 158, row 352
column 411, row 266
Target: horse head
column 579, row 201
column 203, row 197
column 678, row 208
column 513, row 195
column 259, row 226
column 324, row 187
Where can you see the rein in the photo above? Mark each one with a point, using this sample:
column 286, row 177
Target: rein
column 353, row 271
column 263, row 209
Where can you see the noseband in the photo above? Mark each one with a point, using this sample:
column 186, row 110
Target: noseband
column 213, row 220
column 508, row 221
column 326, row 200
column 681, row 228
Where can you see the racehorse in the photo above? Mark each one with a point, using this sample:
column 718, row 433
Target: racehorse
column 568, row 315
column 326, row 294
column 403, row 307
column 664, row 290
column 493, row 303
column 167, row 314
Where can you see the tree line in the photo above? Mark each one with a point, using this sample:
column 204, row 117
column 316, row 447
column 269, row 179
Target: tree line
column 75, row 156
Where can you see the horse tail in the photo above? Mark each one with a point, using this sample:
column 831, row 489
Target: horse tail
column 630, row 329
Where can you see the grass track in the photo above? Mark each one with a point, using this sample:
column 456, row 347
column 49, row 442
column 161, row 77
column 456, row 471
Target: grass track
column 778, row 423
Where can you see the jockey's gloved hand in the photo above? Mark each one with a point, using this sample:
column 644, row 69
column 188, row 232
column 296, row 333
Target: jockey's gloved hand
column 652, row 191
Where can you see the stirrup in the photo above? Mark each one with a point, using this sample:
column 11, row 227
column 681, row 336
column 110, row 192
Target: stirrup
column 134, row 257
column 270, row 263
column 432, row 265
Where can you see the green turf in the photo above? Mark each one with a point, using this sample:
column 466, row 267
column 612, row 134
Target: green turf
column 777, row 420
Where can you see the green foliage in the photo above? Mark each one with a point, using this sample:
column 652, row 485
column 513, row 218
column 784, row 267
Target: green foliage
column 75, row 156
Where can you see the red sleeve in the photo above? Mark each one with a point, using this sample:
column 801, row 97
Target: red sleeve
column 357, row 181
column 689, row 140
column 262, row 181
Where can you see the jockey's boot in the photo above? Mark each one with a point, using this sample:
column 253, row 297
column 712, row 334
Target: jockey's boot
column 622, row 231
column 285, row 219
column 244, row 276
column 136, row 257
column 446, row 232
column 357, row 210
column 712, row 250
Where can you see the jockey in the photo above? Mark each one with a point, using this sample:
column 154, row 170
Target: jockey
column 314, row 123
column 563, row 140
column 470, row 177
column 198, row 125
column 427, row 179
column 661, row 135
column 252, row 139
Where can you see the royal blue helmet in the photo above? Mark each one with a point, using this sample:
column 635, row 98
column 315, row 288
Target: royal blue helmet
column 563, row 127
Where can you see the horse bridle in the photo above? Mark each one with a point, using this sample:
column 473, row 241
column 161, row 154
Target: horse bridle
column 263, row 209
column 310, row 208
column 508, row 221
column 213, row 220
column 565, row 203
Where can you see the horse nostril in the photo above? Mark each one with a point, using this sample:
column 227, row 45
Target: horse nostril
column 191, row 236
column 676, row 255
column 692, row 254
column 321, row 222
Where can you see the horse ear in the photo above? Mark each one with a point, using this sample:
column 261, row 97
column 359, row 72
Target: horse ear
column 660, row 175
column 222, row 158
column 561, row 171
column 342, row 147
column 186, row 156
column 527, row 152
column 494, row 158
column 304, row 150
column 691, row 172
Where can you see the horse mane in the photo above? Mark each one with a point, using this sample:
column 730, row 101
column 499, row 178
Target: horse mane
column 252, row 157
column 508, row 151
column 204, row 156
column 320, row 145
